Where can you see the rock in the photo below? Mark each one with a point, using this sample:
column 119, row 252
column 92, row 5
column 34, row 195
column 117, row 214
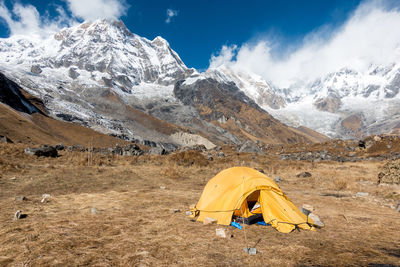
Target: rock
column 176, row 210
column 73, row 73
column 398, row 206
column 209, row 220
column 94, row 211
column 162, row 187
column 5, row 139
column 188, row 213
column 220, row 232
column 303, row 175
column 18, row 215
column 251, row 147
column 59, row 146
column 377, row 138
column 250, row 251
column 47, row 151
column 132, row 150
column 362, row 194
column 157, row 151
column 390, row 173
column 317, row 221
column 20, row 198
column 278, row 179
column 45, row 198
column 36, row 69
column 307, row 209
column 76, row 148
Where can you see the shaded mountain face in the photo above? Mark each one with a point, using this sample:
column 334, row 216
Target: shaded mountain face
column 102, row 76
column 342, row 104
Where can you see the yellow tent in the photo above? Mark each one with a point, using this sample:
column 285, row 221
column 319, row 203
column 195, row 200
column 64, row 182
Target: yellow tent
column 234, row 190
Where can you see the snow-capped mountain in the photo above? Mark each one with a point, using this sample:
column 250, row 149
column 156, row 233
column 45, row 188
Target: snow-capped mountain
column 346, row 103
column 100, row 75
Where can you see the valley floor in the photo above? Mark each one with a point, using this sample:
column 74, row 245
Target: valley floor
column 139, row 213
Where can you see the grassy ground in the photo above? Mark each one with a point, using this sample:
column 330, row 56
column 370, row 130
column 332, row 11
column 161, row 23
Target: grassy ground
column 140, row 217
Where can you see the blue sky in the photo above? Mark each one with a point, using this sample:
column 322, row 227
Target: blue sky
column 198, row 29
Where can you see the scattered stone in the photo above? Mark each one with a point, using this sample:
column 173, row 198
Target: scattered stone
column 304, row 175
column 250, row 251
column 20, row 198
column 5, row 139
column 18, row 215
column 36, row 69
column 94, row 211
column 278, row 179
column 362, row 194
column 176, row 210
column 220, row 232
column 45, row 198
column 162, row 187
column 46, row 151
column 390, row 173
column 398, row 206
column 307, row 209
column 251, row 147
column 188, row 213
column 316, row 219
column 209, row 220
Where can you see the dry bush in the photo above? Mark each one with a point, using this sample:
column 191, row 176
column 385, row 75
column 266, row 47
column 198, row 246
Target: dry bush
column 171, row 172
column 188, row 158
column 339, row 184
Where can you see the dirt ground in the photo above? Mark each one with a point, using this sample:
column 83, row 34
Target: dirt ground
column 130, row 211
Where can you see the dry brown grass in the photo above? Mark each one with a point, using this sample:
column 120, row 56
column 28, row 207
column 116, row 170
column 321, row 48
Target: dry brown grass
column 136, row 223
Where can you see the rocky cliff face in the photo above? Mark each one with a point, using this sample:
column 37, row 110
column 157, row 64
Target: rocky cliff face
column 102, row 76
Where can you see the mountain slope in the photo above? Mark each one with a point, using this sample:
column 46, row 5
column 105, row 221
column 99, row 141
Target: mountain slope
column 100, row 75
column 344, row 104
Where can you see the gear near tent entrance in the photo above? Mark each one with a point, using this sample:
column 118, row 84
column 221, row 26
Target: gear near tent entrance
column 245, row 192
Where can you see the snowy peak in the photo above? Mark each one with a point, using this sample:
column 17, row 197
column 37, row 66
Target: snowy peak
column 104, row 50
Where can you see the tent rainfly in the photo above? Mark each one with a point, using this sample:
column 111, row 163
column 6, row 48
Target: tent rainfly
column 245, row 192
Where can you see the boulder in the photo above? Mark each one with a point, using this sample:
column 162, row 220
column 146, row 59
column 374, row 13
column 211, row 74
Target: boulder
column 390, row 173
column 317, row 221
column 36, row 69
column 18, row 215
column 5, row 139
column 157, row 151
column 20, row 198
column 251, row 147
column 304, row 175
column 132, row 150
column 47, row 151
column 307, row 209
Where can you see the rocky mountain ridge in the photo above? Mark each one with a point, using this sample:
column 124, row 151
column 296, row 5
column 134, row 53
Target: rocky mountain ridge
column 342, row 104
column 102, row 76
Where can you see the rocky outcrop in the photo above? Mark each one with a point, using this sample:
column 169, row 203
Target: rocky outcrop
column 390, row 173
column 46, row 151
column 250, row 147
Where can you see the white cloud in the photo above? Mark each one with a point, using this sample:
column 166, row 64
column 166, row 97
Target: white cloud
column 170, row 14
column 97, row 9
column 370, row 36
column 25, row 19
